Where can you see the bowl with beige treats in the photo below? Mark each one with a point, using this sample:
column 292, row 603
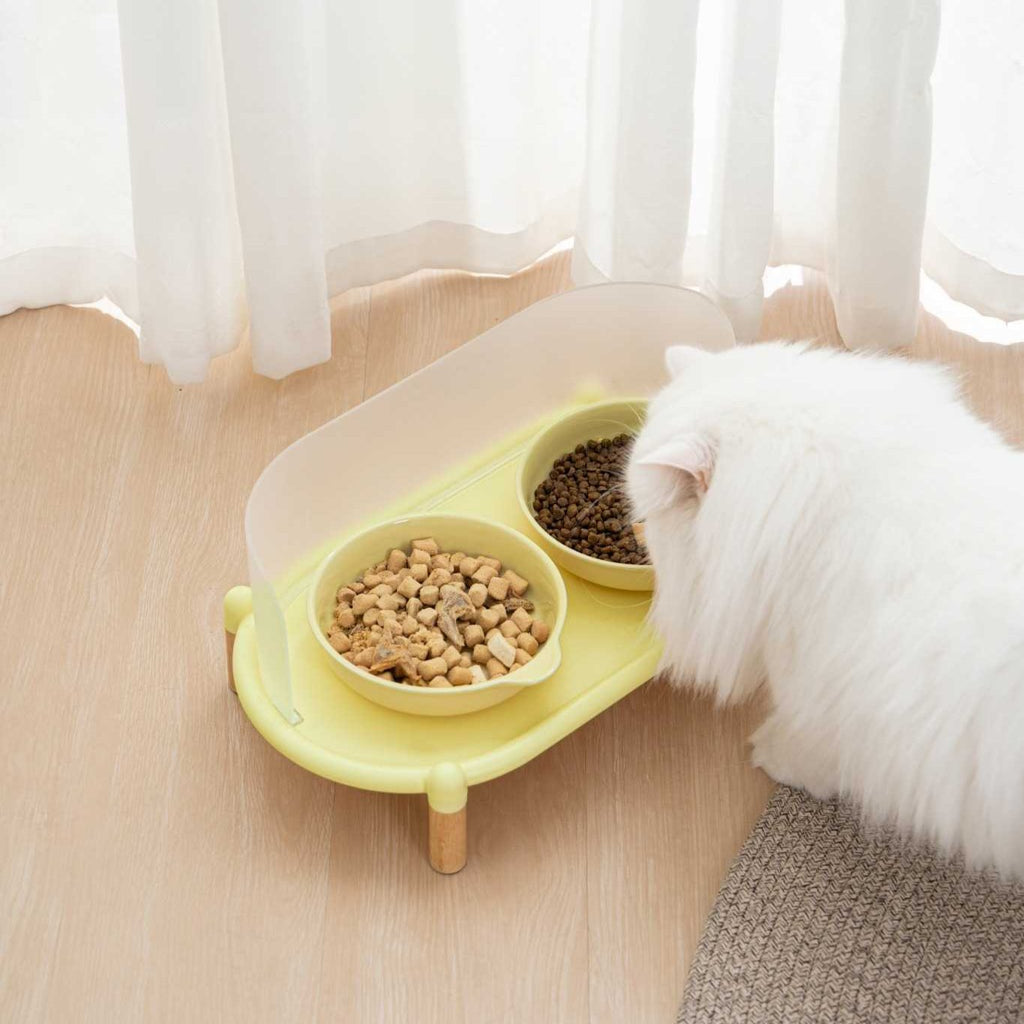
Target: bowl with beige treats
column 439, row 614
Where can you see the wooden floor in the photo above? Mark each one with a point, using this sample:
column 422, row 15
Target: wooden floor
column 160, row 862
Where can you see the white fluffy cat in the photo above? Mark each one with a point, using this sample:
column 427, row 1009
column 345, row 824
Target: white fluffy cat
column 843, row 527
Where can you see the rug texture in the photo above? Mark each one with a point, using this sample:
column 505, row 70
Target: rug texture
column 821, row 919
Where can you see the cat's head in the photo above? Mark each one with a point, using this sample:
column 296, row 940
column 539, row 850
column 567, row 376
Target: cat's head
column 672, row 462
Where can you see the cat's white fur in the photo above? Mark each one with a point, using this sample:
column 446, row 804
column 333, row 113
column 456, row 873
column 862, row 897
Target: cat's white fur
column 842, row 527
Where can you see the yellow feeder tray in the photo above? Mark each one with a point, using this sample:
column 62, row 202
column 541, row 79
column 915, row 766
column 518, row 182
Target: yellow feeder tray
column 607, row 650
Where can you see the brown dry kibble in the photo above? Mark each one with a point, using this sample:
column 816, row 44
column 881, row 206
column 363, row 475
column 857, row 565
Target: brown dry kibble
column 502, row 650
column 485, row 574
column 522, row 618
column 583, row 504
column 433, row 667
column 435, row 618
column 498, row 588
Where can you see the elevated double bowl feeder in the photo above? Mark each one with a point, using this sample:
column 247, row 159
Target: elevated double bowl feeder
column 580, row 347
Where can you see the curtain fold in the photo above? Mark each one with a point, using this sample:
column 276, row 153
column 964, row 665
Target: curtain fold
column 217, row 168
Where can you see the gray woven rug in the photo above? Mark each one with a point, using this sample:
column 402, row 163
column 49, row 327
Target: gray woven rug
column 822, row 920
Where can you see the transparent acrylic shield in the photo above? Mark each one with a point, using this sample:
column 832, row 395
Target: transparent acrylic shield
column 608, row 339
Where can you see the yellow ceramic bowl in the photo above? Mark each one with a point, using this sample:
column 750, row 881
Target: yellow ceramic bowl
column 603, row 419
column 453, row 533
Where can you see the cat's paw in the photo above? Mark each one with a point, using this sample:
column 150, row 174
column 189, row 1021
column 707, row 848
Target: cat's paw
column 780, row 754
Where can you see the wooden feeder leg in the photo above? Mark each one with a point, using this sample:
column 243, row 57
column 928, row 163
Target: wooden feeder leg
column 229, row 647
column 447, row 840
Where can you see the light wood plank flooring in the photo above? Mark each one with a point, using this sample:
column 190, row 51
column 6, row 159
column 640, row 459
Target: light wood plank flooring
column 160, row 862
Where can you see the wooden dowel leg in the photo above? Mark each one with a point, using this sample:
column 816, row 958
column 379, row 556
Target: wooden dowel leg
column 447, row 841
column 229, row 647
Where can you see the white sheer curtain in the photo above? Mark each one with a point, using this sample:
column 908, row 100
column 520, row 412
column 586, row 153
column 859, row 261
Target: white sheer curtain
column 212, row 168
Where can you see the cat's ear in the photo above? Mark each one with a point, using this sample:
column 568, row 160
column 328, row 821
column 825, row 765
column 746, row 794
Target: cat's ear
column 681, row 357
column 687, row 460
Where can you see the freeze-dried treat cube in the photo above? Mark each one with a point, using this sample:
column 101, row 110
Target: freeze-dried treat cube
column 481, row 655
column 517, row 584
column 498, row 588
column 429, row 594
column 528, row 643
column 484, row 574
column 468, row 566
column 477, row 594
column 428, row 616
column 540, row 630
column 433, row 667
column 396, row 560
column 473, row 635
column 427, row 544
column 522, row 618
column 509, row 629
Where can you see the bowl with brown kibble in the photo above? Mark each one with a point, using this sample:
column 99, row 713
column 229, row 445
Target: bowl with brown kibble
column 439, row 614
column 571, row 487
